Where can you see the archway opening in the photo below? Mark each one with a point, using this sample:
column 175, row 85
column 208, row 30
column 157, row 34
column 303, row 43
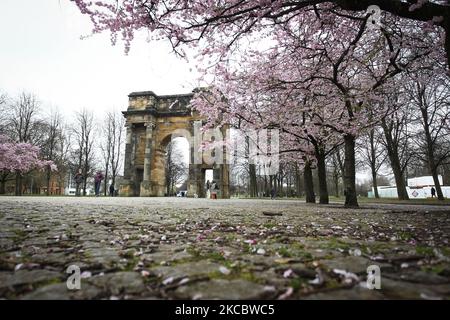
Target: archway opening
column 209, row 174
column 176, row 167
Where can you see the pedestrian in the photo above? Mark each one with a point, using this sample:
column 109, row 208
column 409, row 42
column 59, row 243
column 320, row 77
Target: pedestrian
column 272, row 193
column 98, row 181
column 433, row 192
column 214, row 189
column 111, row 190
column 78, row 180
column 208, row 189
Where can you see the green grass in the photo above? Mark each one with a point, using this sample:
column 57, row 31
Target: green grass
column 197, row 255
column 445, row 251
column 284, row 252
column 425, row 251
column 437, row 269
column 397, row 201
column 269, row 225
column 19, row 235
column 405, row 236
column 335, row 244
column 363, row 200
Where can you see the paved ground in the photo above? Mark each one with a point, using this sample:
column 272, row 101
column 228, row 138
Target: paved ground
column 160, row 248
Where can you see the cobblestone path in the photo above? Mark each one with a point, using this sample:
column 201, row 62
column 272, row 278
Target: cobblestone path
column 177, row 248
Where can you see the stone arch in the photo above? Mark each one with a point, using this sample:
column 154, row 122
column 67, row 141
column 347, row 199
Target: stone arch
column 151, row 122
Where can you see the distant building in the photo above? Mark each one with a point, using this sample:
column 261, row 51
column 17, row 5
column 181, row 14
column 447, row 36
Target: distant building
column 35, row 183
column 72, row 191
column 418, row 188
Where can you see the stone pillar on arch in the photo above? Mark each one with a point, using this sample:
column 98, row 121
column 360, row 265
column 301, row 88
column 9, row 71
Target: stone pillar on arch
column 127, row 186
column 146, row 186
column 195, row 173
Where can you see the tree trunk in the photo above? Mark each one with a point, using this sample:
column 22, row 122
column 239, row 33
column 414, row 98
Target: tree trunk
column 298, row 182
column 309, row 186
column 105, row 184
column 280, row 186
column 437, row 184
column 113, row 182
column 375, row 183
column 373, row 164
column 322, row 175
column 84, row 185
column 48, row 177
column 430, row 153
column 399, row 180
column 265, row 186
column 351, row 199
column 395, row 164
column 18, row 184
column 2, row 186
column 336, row 184
column 253, row 186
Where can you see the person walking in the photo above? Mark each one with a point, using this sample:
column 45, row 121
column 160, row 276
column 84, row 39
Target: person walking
column 78, row 180
column 272, row 193
column 208, row 189
column 98, row 181
column 433, row 192
column 214, row 189
column 111, row 190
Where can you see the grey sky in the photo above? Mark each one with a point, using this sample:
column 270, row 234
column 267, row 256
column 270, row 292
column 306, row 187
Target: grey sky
column 41, row 52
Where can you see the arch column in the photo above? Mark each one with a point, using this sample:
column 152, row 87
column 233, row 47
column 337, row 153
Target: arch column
column 146, row 187
column 127, row 186
column 158, row 178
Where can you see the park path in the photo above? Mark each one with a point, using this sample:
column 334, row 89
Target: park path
column 182, row 248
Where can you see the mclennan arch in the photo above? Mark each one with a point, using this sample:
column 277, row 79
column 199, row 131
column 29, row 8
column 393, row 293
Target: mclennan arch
column 151, row 120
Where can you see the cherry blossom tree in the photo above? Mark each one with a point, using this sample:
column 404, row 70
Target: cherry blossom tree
column 316, row 86
column 221, row 23
column 20, row 158
column 312, row 69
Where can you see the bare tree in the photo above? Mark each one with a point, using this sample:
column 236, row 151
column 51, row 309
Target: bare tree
column 430, row 96
column 62, row 158
column 337, row 165
column 83, row 130
column 397, row 141
column 3, row 112
column 176, row 169
column 105, row 147
column 4, row 176
column 112, row 146
column 52, row 135
column 372, row 153
column 23, row 118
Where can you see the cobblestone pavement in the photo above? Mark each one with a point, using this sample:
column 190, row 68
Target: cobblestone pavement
column 177, row 248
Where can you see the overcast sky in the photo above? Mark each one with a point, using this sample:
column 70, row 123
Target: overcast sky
column 41, row 52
